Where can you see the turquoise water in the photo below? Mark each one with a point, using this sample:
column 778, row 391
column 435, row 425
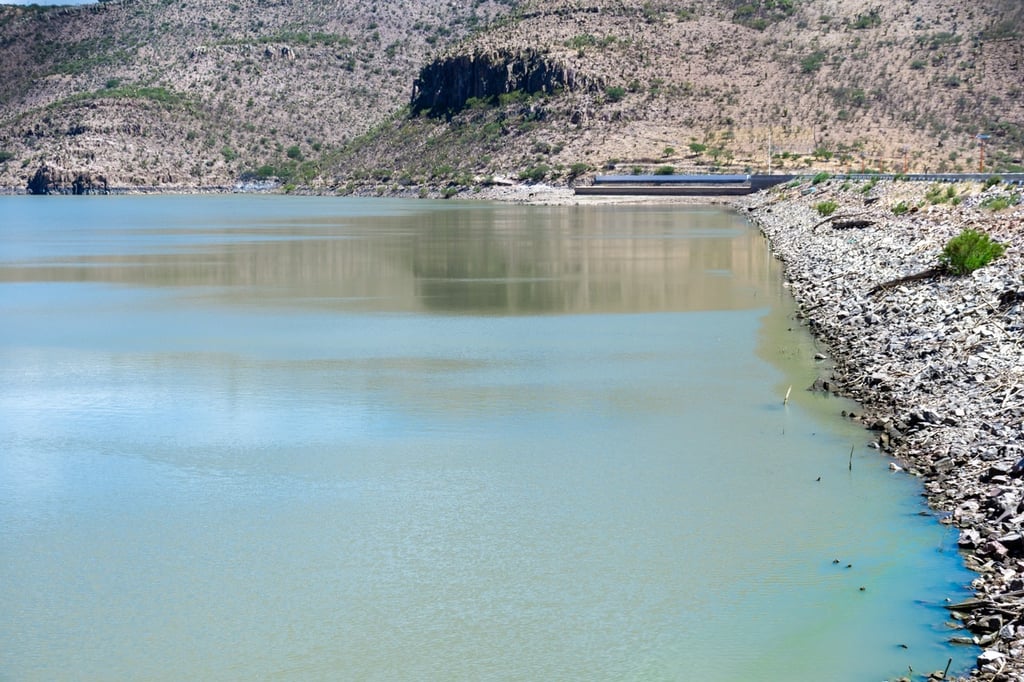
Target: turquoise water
column 295, row 438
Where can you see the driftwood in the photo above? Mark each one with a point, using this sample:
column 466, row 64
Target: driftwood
column 851, row 224
column 930, row 273
column 843, row 221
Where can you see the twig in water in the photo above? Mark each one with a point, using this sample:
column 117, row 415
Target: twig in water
column 850, row 466
column 785, row 401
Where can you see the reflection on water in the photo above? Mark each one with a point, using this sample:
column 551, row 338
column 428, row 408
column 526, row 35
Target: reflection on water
column 264, row 437
column 478, row 259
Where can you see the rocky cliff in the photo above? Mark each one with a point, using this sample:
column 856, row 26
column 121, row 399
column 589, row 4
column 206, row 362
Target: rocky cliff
column 446, row 85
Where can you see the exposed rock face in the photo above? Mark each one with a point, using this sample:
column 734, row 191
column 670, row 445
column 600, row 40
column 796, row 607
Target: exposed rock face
column 52, row 180
column 444, row 86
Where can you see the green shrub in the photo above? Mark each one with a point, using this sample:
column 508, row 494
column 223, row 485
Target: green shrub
column 937, row 195
column 614, row 93
column 820, row 178
column 5, row 156
column 812, row 62
column 992, row 181
column 826, row 208
column 999, row 203
column 664, row 170
column 578, row 169
column 968, row 251
column 535, row 173
column 697, row 147
column 294, row 152
column 900, row 208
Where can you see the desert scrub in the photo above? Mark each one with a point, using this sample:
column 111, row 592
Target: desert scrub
column 826, row 208
column 900, row 208
column 998, row 203
column 937, row 195
column 820, row 178
column 968, row 251
column 535, row 173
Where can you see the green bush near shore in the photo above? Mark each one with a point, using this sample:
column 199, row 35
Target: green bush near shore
column 826, row 208
column 968, row 251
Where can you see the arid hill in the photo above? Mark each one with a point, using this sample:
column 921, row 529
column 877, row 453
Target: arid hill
column 442, row 95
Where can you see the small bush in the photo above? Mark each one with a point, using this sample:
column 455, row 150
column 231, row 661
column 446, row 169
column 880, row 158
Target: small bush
column 812, row 62
column 998, row 203
column 992, row 181
column 578, row 169
column 614, row 93
column 937, row 195
column 968, row 251
column 5, row 156
column 900, row 208
column 535, row 173
column 697, row 147
column 664, row 170
column 826, row 208
column 820, row 178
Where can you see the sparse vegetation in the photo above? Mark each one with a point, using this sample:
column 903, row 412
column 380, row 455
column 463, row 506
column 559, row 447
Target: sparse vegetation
column 937, row 194
column 998, row 203
column 232, row 92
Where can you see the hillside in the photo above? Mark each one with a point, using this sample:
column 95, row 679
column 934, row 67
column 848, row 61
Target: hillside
column 436, row 96
column 174, row 94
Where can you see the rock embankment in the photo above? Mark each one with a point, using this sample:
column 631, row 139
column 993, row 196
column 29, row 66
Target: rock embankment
column 936, row 362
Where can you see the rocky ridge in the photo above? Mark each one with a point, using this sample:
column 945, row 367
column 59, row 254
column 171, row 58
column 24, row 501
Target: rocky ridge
column 937, row 363
column 321, row 96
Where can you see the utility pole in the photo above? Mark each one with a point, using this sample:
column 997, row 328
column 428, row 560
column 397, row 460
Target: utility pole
column 981, row 151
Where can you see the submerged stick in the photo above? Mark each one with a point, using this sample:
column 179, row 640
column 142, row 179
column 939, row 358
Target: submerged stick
column 850, row 466
column 785, row 401
column 944, row 672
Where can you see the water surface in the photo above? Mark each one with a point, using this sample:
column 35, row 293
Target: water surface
column 266, row 437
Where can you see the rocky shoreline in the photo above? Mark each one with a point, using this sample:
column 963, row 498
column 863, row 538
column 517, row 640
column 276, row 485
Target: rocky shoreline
column 937, row 363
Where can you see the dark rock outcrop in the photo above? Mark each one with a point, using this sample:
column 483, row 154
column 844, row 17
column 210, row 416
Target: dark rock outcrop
column 446, row 85
column 51, row 180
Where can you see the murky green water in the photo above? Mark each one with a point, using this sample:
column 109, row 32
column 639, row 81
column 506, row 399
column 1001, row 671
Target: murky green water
column 283, row 438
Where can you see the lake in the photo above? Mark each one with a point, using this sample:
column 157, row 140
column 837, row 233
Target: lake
column 253, row 437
